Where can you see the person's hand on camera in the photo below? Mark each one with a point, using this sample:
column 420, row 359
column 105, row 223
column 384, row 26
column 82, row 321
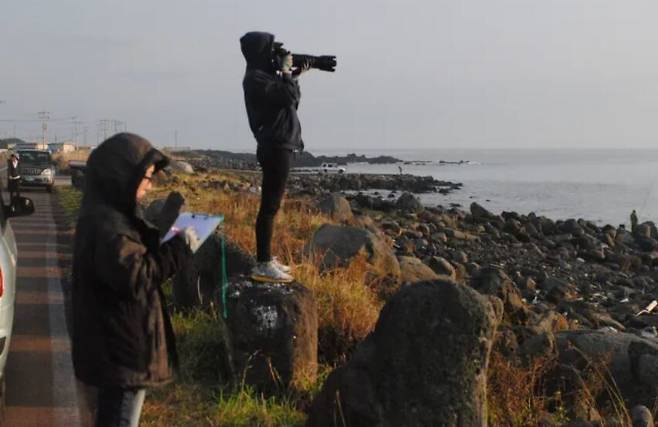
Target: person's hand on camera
column 286, row 64
column 304, row 68
column 191, row 238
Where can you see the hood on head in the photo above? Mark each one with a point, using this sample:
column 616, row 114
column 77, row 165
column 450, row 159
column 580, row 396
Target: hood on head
column 116, row 168
column 256, row 47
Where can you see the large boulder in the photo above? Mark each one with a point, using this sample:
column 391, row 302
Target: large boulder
column 493, row 281
column 480, row 214
column 413, row 270
column 409, row 203
column 163, row 212
column 425, row 364
column 337, row 245
column 631, row 361
column 274, row 330
column 336, row 206
column 442, row 266
column 200, row 282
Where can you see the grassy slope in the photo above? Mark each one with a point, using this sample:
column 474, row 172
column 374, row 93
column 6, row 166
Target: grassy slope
column 347, row 312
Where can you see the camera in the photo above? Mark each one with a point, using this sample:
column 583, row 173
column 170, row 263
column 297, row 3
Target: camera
column 324, row 62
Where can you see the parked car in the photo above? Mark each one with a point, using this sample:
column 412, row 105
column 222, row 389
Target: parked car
column 37, row 169
column 331, row 168
column 22, row 206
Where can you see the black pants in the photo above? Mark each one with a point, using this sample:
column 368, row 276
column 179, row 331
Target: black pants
column 14, row 192
column 275, row 163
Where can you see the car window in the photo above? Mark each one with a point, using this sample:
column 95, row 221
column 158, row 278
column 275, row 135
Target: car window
column 34, row 157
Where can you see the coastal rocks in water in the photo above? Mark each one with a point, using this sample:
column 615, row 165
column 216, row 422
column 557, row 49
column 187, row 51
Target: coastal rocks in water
column 336, row 206
column 364, row 201
column 337, row 245
column 274, row 330
column 480, row 214
column 321, row 183
column 409, row 203
column 413, row 270
column 424, row 364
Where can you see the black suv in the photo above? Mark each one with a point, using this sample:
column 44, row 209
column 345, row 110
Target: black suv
column 36, row 168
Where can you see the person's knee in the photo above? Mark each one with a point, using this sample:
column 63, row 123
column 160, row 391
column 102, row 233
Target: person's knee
column 268, row 210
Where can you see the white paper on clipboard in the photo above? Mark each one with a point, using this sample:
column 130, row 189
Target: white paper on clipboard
column 203, row 224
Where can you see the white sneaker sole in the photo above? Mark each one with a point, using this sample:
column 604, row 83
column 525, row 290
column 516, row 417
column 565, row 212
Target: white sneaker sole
column 269, row 279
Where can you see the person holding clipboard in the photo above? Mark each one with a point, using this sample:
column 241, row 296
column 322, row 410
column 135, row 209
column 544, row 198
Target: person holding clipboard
column 123, row 341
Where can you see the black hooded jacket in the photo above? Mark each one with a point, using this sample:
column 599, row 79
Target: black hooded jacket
column 271, row 99
column 122, row 334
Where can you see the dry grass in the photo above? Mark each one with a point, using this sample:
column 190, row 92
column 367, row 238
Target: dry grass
column 533, row 393
column 516, row 394
column 347, row 309
column 63, row 159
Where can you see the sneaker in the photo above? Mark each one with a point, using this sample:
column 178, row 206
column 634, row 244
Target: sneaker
column 282, row 267
column 267, row 272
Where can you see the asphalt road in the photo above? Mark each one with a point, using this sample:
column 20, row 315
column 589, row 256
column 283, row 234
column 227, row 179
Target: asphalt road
column 40, row 386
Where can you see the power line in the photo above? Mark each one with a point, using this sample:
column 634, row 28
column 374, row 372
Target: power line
column 44, row 116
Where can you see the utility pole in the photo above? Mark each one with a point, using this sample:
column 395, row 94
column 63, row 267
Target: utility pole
column 119, row 126
column 44, row 116
column 76, row 131
column 176, row 139
column 104, row 127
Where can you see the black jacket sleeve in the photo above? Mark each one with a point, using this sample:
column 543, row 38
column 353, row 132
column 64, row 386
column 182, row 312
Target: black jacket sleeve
column 282, row 91
column 129, row 269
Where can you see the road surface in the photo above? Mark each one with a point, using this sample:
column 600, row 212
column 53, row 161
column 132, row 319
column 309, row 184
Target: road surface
column 40, row 385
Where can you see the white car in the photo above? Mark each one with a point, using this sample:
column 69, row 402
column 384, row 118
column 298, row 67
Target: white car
column 8, row 253
column 331, row 168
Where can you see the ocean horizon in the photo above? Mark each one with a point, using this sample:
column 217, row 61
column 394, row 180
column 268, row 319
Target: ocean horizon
column 600, row 185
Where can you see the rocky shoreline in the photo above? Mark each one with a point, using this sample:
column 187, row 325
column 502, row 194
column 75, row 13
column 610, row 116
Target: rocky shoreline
column 204, row 160
column 569, row 294
column 319, row 183
column 573, row 292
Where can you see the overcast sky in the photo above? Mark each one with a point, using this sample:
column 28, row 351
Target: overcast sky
column 411, row 73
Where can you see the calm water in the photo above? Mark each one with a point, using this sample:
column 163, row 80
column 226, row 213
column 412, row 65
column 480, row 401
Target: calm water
column 599, row 185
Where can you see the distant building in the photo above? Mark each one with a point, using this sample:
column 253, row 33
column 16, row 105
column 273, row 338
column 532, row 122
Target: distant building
column 61, row 147
column 10, row 143
column 32, row 146
column 177, row 149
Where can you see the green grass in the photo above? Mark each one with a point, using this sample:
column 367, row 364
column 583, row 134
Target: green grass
column 202, row 394
column 69, row 200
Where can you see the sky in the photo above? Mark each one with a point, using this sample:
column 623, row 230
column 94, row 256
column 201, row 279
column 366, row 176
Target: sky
column 411, row 74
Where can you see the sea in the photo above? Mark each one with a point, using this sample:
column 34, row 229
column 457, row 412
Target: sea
column 602, row 186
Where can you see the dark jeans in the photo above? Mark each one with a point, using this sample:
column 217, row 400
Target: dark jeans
column 275, row 163
column 119, row 407
column 14, row 192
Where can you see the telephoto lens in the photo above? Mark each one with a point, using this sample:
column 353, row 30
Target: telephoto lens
column 324, row 62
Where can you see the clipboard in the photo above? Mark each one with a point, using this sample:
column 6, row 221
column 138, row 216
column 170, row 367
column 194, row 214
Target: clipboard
column 203, row 224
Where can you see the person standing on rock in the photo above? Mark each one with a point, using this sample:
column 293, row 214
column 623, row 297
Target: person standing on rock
column 122, row 337
column 13, row 179
column 271, row 94
column 633, row 221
